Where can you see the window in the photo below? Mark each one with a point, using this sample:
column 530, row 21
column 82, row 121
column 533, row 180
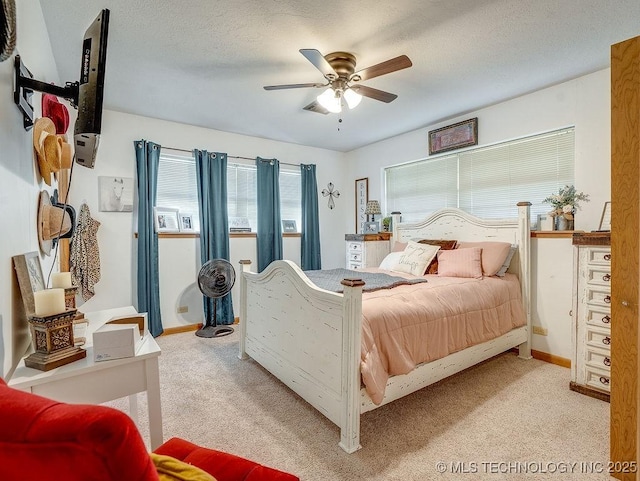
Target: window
column 487, row 182
column 177, row 188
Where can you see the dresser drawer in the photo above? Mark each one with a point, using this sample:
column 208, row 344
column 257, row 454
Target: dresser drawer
column 600, row 379
column 599, row 359
column 599, row 317
column 355, row 257
column 354, row 265
column 599, row 275
column 354, row 246
column 598, row 296
column 598, row 338
column 599, row 255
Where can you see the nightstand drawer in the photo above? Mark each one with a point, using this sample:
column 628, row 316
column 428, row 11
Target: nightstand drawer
column 354, row 265
column 354, row 246
column 599, row 379
column 355, row 257
column 599, row 275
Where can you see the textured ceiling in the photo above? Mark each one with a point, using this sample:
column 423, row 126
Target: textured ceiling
column 204, row 62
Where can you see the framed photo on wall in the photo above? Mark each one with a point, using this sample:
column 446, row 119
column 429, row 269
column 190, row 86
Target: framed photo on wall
column 115, row 194
column 362, row 197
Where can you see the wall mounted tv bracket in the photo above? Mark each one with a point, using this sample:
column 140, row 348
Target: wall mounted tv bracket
column 25, row 84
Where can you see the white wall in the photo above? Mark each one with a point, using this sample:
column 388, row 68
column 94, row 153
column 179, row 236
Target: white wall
column 584, row 103
column 179, row 258
column 20, row 182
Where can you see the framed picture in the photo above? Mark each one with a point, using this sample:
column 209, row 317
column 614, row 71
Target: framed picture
column 362, row 197
column 605, row 220
column 371, row 227
column 545, row 222
column 30, row 278
column 289, row 226
column 239, row 224
column 115, row 194
column 165, row 219
column 456, row 136
column 185, row 222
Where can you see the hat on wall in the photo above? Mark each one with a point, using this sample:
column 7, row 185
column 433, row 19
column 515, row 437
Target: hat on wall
column 48, row 147
column 53, row 109
column 53, row 221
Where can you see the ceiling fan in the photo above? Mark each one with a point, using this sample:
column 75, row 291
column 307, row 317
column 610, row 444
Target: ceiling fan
column 338, row 69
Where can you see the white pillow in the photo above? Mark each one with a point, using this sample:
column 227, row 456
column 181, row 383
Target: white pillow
column 390, row 261
column 415, row 258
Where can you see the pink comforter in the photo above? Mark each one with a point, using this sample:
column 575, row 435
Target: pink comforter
column 408, row 325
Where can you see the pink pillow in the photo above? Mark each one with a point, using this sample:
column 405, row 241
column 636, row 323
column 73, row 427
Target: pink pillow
column 460, row 263
column 399, row 246
column 493, row 254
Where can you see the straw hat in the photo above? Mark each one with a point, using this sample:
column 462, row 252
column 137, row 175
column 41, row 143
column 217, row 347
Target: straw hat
column 56, row 111
column 48, row 148
column 53, row 221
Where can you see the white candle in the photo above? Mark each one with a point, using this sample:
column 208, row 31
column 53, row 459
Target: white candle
column 48, row 302
column 61, row 279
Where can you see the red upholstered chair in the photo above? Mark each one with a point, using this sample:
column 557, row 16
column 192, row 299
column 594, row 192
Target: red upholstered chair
column 42, row 440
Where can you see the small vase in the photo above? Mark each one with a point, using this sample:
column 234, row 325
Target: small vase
column 563, row 224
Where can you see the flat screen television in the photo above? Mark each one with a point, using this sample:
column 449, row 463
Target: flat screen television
column 86, row 94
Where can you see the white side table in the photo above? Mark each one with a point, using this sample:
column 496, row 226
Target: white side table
column 89, row 382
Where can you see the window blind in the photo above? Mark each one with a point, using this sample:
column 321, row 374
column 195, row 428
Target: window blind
column 487, row 182
column 177, row 185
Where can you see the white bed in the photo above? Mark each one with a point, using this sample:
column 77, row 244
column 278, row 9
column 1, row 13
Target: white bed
column 310, row 338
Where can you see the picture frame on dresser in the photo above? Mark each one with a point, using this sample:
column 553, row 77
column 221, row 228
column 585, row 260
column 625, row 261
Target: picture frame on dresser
column 362, row 197
column 605, row 219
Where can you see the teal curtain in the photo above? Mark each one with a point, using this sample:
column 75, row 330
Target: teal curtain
column 269, row 237
column 147, row 161
column 211, row 175
column 310, row 242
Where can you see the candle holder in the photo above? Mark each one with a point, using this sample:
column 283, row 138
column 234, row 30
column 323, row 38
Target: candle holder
column 70, row 297
column 53, row 341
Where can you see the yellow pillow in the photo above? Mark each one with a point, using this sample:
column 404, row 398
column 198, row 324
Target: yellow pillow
column 172, row 469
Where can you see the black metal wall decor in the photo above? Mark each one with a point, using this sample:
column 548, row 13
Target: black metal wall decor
column 329, row 192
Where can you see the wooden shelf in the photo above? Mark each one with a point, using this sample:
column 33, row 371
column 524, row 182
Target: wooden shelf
column 554, row 234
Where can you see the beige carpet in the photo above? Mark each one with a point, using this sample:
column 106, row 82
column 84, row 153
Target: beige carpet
column 494, row 420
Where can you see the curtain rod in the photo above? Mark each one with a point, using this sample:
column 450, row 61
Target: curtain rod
column 228, row 156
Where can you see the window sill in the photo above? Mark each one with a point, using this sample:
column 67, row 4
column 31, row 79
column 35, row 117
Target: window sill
column 235, row 235
column 554, row 234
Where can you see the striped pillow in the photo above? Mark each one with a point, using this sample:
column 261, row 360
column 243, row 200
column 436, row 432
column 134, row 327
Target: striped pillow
column 460, row 263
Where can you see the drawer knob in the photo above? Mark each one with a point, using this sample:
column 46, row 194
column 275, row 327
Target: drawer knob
column 607, row 299
column 606, row 319
column 604, row 380
column 606, row 340
column 607, row 361
column 606, row 277
column 607, row 257
column 625, row 303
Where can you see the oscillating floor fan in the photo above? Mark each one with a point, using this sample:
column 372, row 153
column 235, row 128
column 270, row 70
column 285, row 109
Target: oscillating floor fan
column 215, row 280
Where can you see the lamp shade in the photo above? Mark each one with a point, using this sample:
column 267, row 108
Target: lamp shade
column 373, row 207
column 352, row 98
column 330, row 100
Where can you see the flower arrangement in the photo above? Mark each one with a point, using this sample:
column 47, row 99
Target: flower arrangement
column 566, row 201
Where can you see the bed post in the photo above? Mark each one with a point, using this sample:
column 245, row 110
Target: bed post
column 395, row 220
column 351, row 347
column 244, row 267
column 524, row 246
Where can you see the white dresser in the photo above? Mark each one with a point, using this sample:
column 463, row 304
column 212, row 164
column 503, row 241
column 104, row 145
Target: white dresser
column 366, row 250
column 591, row 319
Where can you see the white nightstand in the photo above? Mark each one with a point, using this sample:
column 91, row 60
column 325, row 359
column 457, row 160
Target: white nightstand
column 366, row 250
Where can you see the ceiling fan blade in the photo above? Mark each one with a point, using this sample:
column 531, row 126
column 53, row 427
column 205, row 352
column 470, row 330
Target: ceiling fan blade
column 316, row 107
column 383, row 68
column 374, row 93
column 319, row 62
column 293, row 86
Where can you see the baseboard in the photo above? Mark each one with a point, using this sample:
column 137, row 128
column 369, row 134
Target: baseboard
column 186, row 328
column 552, row 358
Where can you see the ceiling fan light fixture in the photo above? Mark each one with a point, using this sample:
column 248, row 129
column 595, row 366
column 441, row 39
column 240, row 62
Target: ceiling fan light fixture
column 330, row 100
column 352, row 97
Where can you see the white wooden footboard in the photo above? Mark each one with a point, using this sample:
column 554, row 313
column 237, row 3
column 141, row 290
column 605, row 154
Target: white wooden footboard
column 310, row 338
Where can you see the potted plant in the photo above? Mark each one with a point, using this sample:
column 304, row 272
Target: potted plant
column 386, row 224
column 565, row 203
